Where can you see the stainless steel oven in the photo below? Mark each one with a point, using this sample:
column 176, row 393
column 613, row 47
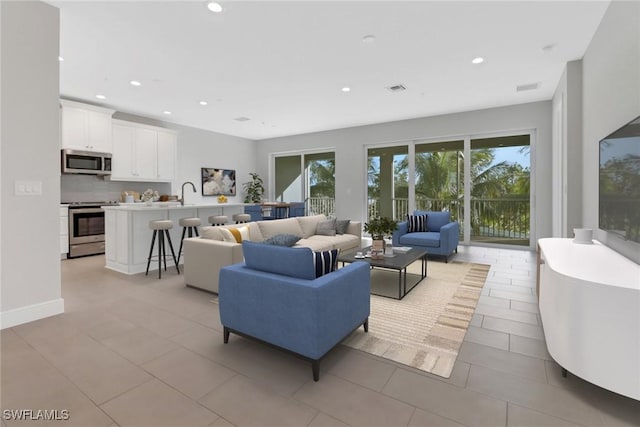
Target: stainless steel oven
column 86, row 229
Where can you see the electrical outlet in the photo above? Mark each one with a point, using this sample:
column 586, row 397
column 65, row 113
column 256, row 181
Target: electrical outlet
column 28, row 188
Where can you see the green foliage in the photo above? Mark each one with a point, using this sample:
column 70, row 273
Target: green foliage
column 254, row 189
column 379, row 227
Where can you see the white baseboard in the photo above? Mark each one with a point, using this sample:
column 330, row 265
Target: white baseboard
column 29, row 313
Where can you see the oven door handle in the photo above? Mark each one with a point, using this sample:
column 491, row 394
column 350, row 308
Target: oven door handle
column 85, row 210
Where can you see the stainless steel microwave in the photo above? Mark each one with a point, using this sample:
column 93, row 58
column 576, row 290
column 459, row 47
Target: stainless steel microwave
column 86, row 162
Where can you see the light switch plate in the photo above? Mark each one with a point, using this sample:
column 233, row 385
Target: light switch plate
column 28, row 188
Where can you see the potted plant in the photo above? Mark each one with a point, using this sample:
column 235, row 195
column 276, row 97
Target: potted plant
column 254, row 189
column 379, row 228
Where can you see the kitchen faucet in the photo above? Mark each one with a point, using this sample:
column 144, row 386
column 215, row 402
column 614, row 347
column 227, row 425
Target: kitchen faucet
column 182, row 191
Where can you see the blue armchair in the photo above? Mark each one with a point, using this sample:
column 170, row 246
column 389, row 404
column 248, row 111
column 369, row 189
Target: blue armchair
column 441, row 237
column 275, row 297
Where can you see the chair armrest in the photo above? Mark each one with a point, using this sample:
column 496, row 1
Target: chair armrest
column 403, row 228
column 449, row 236
column 305, row 316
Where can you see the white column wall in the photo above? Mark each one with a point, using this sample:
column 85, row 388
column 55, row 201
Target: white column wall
column 30, row 151
column 611, row 98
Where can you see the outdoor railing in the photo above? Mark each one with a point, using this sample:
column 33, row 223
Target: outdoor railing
column 491, row 219
column 321, row 205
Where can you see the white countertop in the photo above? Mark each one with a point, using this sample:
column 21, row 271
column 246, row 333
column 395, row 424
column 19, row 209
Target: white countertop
column 594, row 263
column 170, row 206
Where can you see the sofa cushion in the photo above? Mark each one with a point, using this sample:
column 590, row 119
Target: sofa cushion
column 308, row 224
column 435, row 220
column 342, row 225
column 326, row 228
column 427, row 238
column 282, row 240
column 316, row 243
column 280, row 226
column 299, row 261
column 325, row 262
column 416, row 223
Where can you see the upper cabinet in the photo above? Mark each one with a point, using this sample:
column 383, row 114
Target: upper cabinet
column 86, row 127
column 142, row 152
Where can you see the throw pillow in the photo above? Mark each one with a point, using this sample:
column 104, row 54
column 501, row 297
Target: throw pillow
column 282, row 240
column 325, row 262
column 240, row 233
column 342, row 225
column 416, row 223
column 227, row 235
column 326, row 228
column 234, row 235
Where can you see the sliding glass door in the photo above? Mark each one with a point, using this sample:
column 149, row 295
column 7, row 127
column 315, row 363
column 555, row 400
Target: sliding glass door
column 388, row 182
column 483, row 182
column 308, row 177
column 500, row 210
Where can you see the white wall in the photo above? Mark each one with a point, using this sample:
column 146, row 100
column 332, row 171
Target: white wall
column 350, row 144
column 567, row 172
column 198, row 148
column 611, row 98
column 29, row 143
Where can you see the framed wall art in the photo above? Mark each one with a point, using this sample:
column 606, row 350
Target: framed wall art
column 216, row 182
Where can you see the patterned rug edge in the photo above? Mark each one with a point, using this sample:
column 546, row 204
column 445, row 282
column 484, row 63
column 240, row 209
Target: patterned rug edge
column 439, row 350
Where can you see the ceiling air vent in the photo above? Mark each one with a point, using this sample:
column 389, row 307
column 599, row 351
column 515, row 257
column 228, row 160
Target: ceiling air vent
column 396, row 88
column 242, row 119
column 529, row 86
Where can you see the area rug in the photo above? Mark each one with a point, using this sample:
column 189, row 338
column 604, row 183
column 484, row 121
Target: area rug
column 426, row 328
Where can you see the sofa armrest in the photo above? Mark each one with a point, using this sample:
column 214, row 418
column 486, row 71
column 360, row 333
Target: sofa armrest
column 403, row 228
column 305, row 316
column 354, row 228
column 449, row 236
column 203, row 259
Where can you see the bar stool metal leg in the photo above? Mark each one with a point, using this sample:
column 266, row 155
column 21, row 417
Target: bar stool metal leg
column 173, row 254
column 153, row 239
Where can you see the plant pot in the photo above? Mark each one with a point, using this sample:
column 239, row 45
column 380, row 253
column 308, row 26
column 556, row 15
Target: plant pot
column 377, row 249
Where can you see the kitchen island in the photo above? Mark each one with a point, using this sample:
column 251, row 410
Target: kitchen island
column 128, row 236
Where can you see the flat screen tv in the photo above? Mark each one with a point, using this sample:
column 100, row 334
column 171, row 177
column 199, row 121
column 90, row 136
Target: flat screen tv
column 619, row 204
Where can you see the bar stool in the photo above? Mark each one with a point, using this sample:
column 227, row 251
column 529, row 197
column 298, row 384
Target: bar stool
column 218, row 219
column 190, row 224
column 240, row 218
column 162, row 226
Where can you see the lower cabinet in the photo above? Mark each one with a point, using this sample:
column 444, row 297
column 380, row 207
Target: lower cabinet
column 143, row 153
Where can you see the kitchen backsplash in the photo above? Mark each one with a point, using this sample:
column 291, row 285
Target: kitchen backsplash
column 91, row 188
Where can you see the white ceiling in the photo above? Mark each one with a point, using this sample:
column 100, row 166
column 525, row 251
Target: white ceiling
column 283, row 64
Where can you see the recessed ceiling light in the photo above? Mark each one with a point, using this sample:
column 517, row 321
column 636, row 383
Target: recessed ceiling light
column 203, row 103
column 168, row 113
column 477, row 60
column 369, row 38
column 60, row 58
column 548, row 48
column 214, row 7
column 135, row 83
column 242, row 119
column 346, row 89
column 100, row 96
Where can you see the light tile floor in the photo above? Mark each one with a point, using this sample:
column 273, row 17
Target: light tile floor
column 134, row 350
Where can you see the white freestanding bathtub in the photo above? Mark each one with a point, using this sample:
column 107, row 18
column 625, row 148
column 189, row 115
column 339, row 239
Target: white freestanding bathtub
column 589, row 297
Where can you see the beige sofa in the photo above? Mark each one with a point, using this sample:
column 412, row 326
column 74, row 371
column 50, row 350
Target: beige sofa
column 204, row 256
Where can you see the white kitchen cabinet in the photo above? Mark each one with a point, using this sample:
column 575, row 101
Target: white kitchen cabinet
column 86, row 127
column 64, row 230
column 142, row 152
